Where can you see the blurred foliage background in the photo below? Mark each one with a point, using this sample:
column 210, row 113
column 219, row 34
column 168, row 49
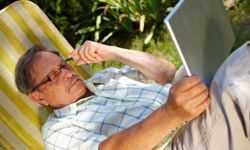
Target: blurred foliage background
column 132, row 24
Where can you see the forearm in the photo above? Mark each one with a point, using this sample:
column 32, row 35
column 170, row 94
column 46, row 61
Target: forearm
column 155, row 68
column 187, row 99
column 143, row 135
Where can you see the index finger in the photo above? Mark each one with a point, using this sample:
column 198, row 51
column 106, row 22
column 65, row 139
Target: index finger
column 187, row 83
column 73, row 53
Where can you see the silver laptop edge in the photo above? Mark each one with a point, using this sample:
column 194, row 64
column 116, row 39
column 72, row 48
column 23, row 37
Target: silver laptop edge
column 174, row 38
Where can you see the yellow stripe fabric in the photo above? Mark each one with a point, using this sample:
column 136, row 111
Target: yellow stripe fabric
column 23, row 107
column 7, row 69
column 20, row 118
column 43, row 26
column 35, row 14
column 11, row 138
column 23, row 25
column 7, row 61
column 8, row 48
column 10, row 35
column 5, row 143
column 14, row 97
column 32, row 25
column 19, row 131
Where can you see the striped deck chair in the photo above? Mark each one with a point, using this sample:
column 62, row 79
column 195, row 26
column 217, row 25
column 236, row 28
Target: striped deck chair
column 23, row 24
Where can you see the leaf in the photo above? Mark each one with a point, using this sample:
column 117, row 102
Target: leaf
column 112, row 3
column 58, row 7
column 94, row 7
column 150, row 35
column 98, row 21
column 132, row 6
column 154, row 5
column 85, row 30
column 142, row 22
column 107, row 37
column 79, row 42
column 127, row 24
column 97, row 35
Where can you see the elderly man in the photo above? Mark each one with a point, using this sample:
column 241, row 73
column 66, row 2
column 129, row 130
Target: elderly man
column 114, row 109
column 124, row 109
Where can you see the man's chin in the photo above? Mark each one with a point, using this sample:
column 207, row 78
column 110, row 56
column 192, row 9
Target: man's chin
column 77, row 86
column 77, row 90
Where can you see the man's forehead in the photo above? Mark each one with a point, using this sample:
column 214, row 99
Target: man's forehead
column 46, row 57
column 43, row 63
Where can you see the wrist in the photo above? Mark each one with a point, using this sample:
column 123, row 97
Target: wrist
column 171, row 116
column 116, row 53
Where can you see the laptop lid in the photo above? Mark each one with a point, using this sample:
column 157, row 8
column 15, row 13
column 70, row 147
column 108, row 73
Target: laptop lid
column 202, row 34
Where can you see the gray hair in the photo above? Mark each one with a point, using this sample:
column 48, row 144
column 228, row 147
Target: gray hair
column 23, row 78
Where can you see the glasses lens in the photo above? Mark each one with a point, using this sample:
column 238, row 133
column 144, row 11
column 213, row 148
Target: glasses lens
column 53, row 75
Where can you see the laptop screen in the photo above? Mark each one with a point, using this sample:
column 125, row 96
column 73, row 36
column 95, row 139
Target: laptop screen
column 202, row 34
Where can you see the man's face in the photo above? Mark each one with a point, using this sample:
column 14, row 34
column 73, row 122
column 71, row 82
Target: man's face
column 64, row 87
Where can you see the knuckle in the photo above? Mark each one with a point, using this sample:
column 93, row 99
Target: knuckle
column 87, row 41
column 179, row 102
column 87, row 44
column 187, row 109
column 189, row 81
column 203, row 86
column 196, row 79
column 172, row 91
column 193, row 113
column 203, row 96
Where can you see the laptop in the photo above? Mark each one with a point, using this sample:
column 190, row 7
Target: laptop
column 202, row 34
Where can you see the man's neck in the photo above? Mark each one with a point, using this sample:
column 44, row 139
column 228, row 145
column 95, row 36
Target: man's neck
column 88, row 93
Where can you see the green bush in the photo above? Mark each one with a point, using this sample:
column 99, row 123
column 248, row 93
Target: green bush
column 100, row 19
column 239, row 16
column 133, row 24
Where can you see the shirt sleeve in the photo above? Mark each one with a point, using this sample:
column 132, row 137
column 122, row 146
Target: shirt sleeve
column 105, row 75
column 73, row 138
column 134, row 74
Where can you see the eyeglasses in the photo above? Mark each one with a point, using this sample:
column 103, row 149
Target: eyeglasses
column 54, row 74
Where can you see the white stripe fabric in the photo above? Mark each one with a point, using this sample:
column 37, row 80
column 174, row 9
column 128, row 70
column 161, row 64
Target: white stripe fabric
column 19, row 117
column 11, row 137
column 33, row 26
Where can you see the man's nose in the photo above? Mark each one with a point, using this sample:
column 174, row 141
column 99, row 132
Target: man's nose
column 67, row 73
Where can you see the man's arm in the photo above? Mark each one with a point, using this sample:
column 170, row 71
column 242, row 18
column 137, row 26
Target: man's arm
column 187, row 99
column 155, row 68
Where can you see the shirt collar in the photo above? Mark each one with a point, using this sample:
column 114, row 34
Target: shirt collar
column 71, row 109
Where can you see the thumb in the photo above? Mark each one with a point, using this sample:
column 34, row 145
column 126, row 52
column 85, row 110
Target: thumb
column 80, row 62
column 73, row 53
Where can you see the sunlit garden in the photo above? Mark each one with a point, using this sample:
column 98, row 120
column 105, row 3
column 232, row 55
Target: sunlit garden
column 128, row 23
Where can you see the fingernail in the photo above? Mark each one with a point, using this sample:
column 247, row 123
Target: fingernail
column 79, row 62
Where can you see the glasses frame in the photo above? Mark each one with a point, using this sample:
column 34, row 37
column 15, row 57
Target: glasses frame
column 44, row 81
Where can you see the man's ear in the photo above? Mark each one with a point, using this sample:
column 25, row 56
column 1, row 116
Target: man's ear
column 35, row 96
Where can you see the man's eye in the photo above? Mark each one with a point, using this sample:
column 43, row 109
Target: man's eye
column 63, row 66
column 54, row 75
column 49, row 79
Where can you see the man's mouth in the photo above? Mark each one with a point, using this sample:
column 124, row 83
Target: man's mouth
column 72, row 81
